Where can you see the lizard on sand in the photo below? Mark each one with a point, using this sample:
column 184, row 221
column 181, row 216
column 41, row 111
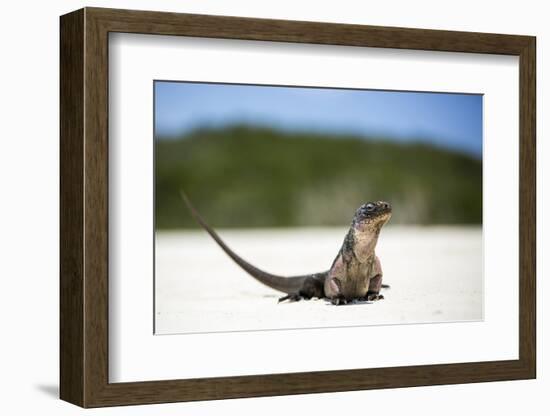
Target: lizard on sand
column 355, row 273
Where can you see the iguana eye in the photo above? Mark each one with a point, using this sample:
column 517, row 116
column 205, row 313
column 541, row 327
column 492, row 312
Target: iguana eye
column 370, row 207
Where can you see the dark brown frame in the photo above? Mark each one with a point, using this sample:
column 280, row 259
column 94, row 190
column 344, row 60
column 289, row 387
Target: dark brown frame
column 84, row 214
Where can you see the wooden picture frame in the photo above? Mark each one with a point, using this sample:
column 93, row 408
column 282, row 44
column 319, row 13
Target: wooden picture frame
column 84, row 207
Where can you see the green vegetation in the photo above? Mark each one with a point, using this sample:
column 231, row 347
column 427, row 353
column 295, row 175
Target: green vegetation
column 256, row 177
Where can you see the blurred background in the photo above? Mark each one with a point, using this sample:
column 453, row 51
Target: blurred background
column 270, row 156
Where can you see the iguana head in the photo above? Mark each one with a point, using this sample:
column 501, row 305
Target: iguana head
column 372, row 214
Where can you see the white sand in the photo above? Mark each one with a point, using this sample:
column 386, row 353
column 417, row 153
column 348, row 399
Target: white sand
column 435, row 275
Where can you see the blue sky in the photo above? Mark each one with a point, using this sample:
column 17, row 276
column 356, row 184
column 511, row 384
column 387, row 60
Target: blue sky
column 448, row 120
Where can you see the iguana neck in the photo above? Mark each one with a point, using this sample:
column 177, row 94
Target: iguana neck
column 365, row 238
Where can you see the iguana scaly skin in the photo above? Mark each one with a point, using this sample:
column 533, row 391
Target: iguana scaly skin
column 355, row 273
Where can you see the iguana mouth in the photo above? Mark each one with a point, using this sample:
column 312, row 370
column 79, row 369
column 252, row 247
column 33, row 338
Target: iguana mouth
column 383, row 207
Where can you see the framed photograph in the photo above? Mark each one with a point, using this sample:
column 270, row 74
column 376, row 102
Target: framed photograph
column 254, row 207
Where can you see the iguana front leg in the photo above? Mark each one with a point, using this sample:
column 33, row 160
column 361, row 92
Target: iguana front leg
column 375, row 283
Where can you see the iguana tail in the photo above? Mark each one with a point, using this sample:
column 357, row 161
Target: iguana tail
column 287, row 285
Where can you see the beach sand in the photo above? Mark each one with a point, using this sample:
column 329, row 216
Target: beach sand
column 435, row 274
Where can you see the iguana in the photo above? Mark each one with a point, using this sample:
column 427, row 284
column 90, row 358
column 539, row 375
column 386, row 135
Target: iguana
column 355, row 273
